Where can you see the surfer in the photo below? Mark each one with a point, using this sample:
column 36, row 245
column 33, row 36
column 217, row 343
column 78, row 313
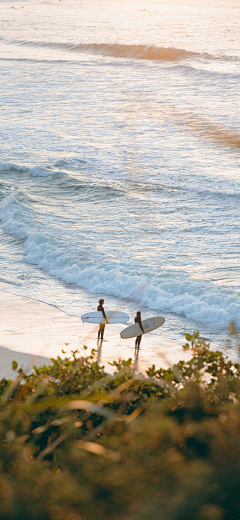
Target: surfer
column 102, row 325
column 139, row 321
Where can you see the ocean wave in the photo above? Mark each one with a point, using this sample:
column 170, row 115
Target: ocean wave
column 62, row 169
column 189, row 70
column 6, row 166
column 70, row 163
column 36, row 171
column 202, row 302
column 10, row 220
column 42, row 172
column 191, row 299
column 145, row 52
column 121, row 50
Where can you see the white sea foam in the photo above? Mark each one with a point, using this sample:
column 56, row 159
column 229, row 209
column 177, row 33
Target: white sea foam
column 37, row 171
column 204, row 303
column 10, row 218
column 212, row 306
column 5, row 166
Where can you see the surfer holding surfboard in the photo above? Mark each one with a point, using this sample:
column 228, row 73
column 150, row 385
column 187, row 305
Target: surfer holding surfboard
column 138, row 339
column 135, row 331
column 102, row 325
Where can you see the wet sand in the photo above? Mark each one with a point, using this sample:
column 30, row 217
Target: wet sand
column 32, row 332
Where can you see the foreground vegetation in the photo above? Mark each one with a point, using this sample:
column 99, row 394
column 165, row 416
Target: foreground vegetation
column 79, row 444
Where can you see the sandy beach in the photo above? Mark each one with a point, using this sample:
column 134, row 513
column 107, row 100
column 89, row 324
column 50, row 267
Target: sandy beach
column 32, row 332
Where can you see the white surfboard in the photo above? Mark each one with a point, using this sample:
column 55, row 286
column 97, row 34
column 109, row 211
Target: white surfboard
column 112, row 316
column 148, row 325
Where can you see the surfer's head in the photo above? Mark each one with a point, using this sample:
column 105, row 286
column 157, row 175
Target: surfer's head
column 101, row 301
column 138, row 314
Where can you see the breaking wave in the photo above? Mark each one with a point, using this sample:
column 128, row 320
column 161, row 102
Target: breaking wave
column 42, row 172
column 201, row 302
column 36, row 171
column 7, row 166
column 144, row 52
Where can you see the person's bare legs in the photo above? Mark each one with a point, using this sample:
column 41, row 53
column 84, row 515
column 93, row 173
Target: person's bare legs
column 101, row 331
column 137, row 342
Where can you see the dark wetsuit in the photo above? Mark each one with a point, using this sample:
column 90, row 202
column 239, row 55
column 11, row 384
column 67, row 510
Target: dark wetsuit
column 138, row 338
column 102, row 325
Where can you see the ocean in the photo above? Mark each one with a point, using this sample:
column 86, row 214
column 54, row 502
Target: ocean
column 120, row 155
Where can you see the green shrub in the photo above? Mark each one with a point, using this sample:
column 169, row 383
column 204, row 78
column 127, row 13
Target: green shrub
column 77, row 443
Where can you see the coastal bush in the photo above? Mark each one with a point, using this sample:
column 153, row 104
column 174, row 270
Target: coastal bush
column 77, row 443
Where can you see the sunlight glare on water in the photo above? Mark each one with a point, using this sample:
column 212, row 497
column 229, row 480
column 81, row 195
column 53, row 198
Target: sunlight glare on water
column 120, row 157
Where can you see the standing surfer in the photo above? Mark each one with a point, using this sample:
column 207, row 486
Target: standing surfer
column 138, row 338
column 102, row 325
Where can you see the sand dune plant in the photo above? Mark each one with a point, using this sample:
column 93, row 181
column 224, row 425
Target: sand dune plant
column 79, row 443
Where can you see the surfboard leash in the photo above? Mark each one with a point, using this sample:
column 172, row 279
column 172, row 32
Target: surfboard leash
column 81, row 330
column 117, row 345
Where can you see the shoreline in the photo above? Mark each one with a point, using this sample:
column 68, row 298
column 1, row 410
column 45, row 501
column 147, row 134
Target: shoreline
column 32, row 332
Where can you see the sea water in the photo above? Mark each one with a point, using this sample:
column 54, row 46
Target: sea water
column 120, row 155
